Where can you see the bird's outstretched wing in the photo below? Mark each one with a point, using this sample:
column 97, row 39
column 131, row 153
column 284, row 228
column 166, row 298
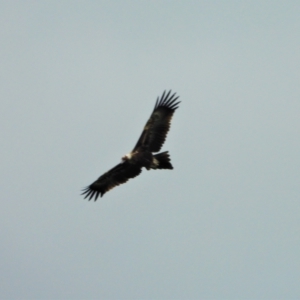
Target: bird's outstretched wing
column 158, row 125
column 114, row 177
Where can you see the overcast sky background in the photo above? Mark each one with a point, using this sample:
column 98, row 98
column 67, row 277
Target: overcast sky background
column 79, row 80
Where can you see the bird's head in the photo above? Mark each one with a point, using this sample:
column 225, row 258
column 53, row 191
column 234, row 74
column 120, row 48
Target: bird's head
column 126, row 157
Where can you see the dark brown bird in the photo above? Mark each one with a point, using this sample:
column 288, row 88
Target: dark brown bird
column 151, row 140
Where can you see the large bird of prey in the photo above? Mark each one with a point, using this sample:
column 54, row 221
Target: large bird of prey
column 151, row 140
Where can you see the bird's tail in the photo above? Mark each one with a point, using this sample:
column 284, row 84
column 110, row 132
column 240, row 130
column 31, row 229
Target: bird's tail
column 161, row 161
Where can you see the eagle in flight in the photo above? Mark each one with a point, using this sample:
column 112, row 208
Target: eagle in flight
column 150, row 141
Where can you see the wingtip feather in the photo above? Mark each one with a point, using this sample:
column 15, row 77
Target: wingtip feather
column 167, row 100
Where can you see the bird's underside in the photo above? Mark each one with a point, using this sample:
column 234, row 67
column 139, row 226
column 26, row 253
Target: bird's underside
column 142, row 155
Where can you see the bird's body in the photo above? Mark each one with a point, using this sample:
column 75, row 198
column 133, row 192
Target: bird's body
column 151, row 140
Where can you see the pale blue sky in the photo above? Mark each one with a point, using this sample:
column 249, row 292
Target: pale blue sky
column 79, row 80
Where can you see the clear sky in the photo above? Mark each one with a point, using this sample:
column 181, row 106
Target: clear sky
column 79, row 79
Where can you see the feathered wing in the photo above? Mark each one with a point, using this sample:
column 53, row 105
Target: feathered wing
column 114, row 177
column 158, row 125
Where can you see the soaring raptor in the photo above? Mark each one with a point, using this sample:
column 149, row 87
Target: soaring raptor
column 151, row 140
